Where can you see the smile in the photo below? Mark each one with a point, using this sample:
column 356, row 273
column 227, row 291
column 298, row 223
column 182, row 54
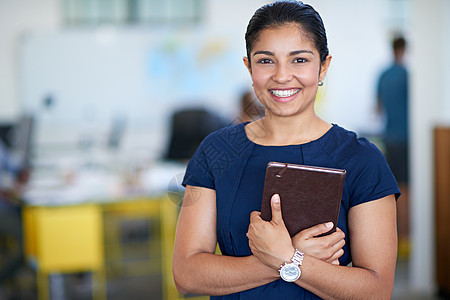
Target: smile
column 284, row 93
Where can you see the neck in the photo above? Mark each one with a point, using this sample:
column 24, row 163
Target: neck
column 398, row 59
column 276, row 130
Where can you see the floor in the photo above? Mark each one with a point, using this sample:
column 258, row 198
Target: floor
column 401, row 288
column 78, row 287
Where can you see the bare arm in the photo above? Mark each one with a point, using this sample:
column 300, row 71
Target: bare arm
column 196, row 269
column 373, row 236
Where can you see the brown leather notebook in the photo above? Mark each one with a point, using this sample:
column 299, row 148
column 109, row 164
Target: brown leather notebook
column 309, row 195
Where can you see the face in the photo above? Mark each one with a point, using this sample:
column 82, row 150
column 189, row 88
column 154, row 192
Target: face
column 286, row 70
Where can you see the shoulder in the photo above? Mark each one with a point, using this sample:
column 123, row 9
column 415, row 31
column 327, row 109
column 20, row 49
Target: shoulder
column 345, row 147
column 217, row 153
column 227, row 133
column 389, row 69
column 222, row 148
column 394, row 71
column 231, row 140
column 368, row 174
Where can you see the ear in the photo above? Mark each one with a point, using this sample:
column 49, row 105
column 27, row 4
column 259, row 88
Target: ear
column 324, row 67
column 247, row 64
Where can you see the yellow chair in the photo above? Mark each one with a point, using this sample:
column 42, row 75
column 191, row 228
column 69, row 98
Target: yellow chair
column 65, row 239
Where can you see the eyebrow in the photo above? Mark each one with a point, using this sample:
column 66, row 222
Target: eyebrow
column 292, row 53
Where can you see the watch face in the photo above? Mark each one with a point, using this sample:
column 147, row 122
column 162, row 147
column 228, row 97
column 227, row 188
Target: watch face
column 290, row 272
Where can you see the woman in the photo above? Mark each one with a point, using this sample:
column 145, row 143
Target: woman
column 287, row 57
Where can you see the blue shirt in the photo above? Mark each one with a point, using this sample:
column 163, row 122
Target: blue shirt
column 393, row 94
column 234, row 166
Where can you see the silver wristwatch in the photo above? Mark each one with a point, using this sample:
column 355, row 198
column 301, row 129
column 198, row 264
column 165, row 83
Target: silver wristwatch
column 290, row 271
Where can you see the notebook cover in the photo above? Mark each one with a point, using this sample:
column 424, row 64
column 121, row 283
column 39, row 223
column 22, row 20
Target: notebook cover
column 309, row 195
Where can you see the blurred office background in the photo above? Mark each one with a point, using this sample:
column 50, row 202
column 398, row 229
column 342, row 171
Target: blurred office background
column 89, row 94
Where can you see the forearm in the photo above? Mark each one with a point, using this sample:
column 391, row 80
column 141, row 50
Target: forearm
column 340, row 282
column 196, row 269
column 211, row 274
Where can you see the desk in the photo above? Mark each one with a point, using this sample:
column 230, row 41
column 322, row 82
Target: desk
column 67, row 235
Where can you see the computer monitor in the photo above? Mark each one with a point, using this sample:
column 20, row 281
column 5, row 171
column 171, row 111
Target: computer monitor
column 6, row 133
column 21, row 142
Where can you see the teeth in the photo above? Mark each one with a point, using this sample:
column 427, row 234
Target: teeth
column 284, row 93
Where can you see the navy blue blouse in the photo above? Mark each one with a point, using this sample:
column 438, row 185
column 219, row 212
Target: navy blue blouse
column 228, row 162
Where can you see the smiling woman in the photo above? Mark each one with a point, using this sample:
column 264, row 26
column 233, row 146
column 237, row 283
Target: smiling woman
column 286, row 70
column 287, row 58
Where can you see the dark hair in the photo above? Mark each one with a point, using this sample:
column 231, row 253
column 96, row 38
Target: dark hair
column 281, row 12
column 399, row 43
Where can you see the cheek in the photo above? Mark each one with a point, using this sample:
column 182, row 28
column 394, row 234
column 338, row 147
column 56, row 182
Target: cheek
column 309, row 77
column 260, row 79
column 260, row 85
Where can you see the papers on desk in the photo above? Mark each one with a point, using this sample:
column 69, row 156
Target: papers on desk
column 91, row 185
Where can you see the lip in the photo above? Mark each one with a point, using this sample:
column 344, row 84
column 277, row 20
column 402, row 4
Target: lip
column 284, row 99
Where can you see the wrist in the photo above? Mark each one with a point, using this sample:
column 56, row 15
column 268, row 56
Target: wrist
column 291, row 271
column 285, row 257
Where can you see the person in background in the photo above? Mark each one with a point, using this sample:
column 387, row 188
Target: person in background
column 392, row 92
column 250, row 108
column 287, row 59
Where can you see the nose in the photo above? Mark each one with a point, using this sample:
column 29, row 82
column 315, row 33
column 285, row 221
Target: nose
column 282, row 73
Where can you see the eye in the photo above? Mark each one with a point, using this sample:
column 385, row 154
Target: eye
column 265, row 61
column 300, row 60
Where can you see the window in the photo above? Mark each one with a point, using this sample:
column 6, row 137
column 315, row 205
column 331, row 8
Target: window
column 131, row 12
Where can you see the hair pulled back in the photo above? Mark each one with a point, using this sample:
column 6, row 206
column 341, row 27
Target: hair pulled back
column 281, row 12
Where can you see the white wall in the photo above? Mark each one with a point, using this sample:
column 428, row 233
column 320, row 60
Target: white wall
column 359, row 54
column 359, row 46
column 429, row 106
column 17, row 17
column 358, row 38
column 446, row 62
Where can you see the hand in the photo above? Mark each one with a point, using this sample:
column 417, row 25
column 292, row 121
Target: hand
column 270, row 241
column 327, row 248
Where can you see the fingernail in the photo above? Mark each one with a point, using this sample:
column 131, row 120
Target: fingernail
column 276, row 198
column 329, row 224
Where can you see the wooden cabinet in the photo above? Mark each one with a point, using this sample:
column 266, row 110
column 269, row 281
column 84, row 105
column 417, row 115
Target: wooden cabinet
column 442, row 209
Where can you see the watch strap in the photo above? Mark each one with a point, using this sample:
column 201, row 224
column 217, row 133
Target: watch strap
column 297, row 258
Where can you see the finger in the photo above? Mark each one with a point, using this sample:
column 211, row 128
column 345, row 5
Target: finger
column 340, row 232
column 255, row 216
column 334, row 238
column 276, row 209
column 332, row 247
column 251, row 246
column 335, row 262
column 336, row 256
column 336, row 251
column 317, row 230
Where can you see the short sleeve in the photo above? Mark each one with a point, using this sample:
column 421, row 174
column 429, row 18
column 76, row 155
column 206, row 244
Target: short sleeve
column 373, row 179
column 198, row 172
